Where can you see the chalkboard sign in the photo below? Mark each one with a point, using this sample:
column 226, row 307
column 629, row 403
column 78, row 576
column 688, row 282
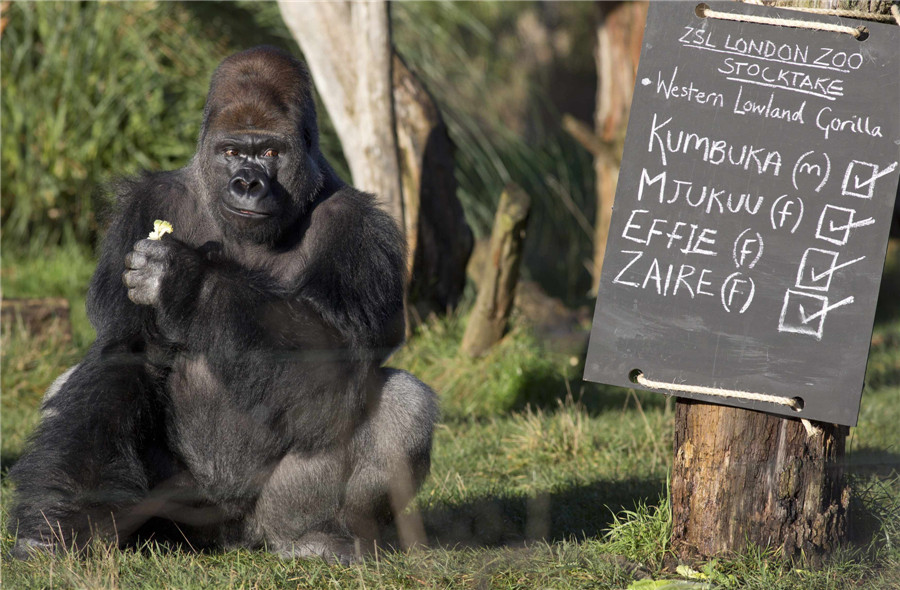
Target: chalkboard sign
column 752, row 210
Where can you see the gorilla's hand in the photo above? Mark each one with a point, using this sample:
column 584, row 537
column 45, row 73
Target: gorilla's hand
column 155, row 267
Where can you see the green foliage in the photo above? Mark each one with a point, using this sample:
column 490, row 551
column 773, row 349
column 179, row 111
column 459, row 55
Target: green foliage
column 96, row 89
column 642, row 534
column 89, row 89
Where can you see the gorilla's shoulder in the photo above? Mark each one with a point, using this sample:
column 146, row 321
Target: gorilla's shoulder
column 151, row 185
column 345, row 203
column 349, row 212
column 353, row 210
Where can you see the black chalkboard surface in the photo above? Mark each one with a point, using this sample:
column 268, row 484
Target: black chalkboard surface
column 752, row 210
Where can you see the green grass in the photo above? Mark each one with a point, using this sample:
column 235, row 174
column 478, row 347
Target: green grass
column 538, row 480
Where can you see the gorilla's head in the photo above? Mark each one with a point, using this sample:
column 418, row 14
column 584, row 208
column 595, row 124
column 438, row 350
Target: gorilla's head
column 258, row 152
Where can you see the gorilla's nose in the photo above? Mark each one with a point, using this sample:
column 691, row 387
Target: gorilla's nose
column 249, row 184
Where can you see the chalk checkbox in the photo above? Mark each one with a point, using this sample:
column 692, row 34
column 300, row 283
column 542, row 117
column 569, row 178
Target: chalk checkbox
column 836, row 222
column 859, row 180
column 805, row 313
column 817, row 267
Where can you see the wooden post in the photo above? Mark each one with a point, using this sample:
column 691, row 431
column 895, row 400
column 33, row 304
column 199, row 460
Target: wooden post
column 488, row 320
column 748, row 477
column 619, row 37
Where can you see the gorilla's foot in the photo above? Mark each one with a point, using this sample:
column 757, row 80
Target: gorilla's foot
column 27, row 548
column 331, row 548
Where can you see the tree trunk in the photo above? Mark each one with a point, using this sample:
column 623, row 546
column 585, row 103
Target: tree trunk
column 619, row 37
column 497, row 288
column 442, row 241
column 744, row 477
column 347, row 46
column 392, row 135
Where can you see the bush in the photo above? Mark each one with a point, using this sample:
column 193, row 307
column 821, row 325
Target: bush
column 89, row 88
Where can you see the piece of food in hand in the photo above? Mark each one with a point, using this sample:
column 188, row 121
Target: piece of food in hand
column 160, row 228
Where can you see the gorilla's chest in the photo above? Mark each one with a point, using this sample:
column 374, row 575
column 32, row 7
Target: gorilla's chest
column 220, row 435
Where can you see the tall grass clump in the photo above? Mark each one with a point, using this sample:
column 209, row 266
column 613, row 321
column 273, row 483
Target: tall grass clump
column 505, row 128
column 642, row 534
column 89, row 88
column 516, row 372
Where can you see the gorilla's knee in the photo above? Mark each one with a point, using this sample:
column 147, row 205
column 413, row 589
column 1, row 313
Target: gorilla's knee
column 404, row 422
column 392, row 449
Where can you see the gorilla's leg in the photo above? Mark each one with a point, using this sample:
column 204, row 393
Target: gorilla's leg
column 296, row 513
column 86, row 462
column 333, row 504
column 391, row 456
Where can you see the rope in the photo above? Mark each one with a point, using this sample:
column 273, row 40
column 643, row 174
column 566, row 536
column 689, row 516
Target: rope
column 707, row 12
column 790, row 402
column 885, row 18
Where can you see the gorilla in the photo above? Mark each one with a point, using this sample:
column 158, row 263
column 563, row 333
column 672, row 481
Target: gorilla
column 235, row 391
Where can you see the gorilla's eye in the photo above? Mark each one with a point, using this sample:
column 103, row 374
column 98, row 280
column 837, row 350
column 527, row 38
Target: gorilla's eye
column 271, row 153
column 231, row 152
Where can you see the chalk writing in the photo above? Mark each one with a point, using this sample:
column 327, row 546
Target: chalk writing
column 811, row 164
column 715, row 151
column 787, row 211
column 752, row 209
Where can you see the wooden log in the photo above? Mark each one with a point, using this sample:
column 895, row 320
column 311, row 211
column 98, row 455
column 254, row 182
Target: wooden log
column 489, row 317
column 744, row 477
column 39, row 317
column 438, row 237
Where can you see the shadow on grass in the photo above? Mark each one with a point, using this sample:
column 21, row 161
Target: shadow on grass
column 872, row 461
column 578, row 512
column 546, row 390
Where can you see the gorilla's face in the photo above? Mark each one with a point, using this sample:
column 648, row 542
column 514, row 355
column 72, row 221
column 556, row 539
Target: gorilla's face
column 258, row 183
column 247, row 196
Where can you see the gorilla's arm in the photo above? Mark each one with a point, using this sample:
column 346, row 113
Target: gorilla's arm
column 140, row 202
column 347, row 297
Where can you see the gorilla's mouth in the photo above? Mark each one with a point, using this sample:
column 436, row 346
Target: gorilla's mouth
column 248, row 213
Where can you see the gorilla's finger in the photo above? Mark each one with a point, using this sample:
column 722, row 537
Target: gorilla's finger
column 132, row 279
column 153, row 248
column 135, row 260
column 138, row 296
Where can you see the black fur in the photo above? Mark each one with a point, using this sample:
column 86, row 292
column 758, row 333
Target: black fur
column 235, row 387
